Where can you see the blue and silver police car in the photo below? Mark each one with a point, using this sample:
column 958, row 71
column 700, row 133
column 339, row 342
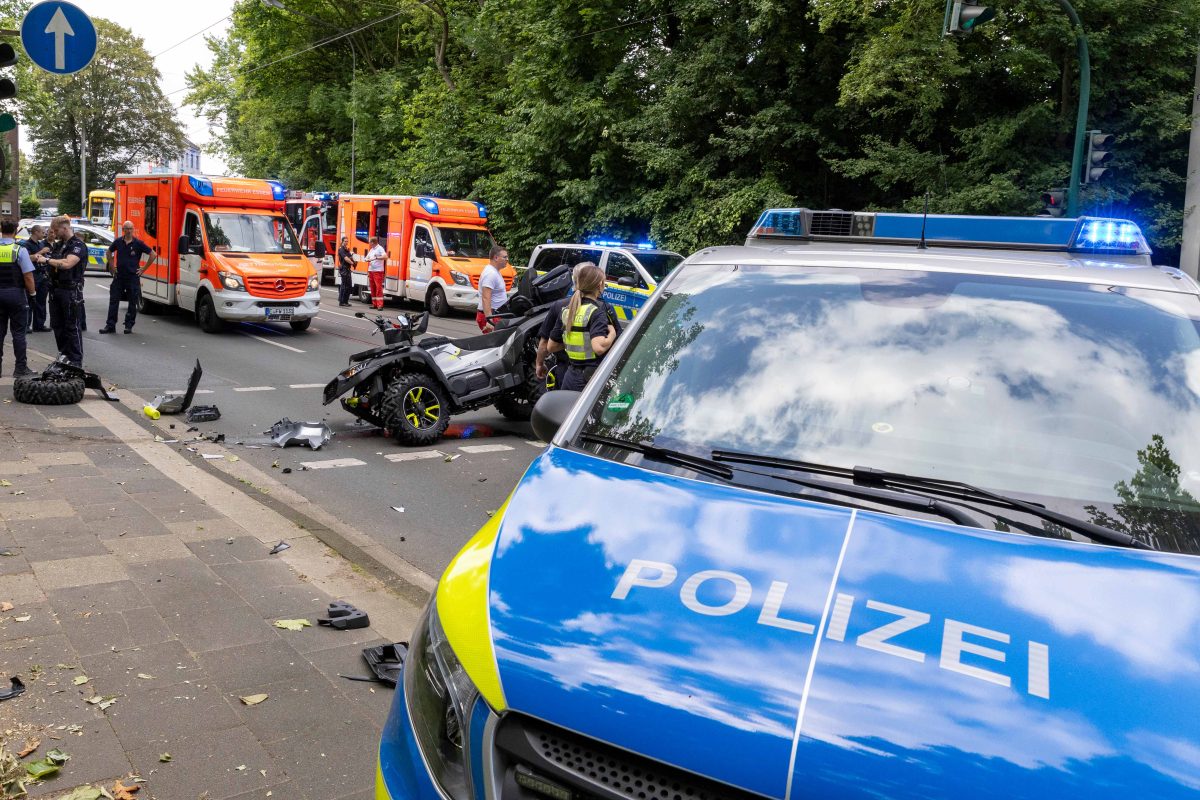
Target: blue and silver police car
column 878, row 506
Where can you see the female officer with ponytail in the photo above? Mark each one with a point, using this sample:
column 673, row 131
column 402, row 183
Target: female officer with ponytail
column 583, row 329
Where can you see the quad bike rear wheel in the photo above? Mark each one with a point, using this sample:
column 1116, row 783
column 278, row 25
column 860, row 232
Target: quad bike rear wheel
column 415, row 409
column 42, row 391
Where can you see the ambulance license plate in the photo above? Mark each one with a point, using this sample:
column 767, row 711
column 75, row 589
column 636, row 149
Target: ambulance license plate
column 282, row 314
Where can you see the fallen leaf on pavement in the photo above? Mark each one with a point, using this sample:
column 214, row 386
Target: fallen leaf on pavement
column 84, row 793
column 122, row 792
column 6, row 606
column 25, row 618
column 165, row 758
column 45, row 767
column 254, row 699
column 5, row 483
column 145, row 677
column 102, row 701
column 80, row 680
column 30, row 746
column 233, row 458
column 241, row 768
column 292, row 624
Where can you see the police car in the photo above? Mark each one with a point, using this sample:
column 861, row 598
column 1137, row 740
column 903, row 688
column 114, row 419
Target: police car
column 877, row 506
column 96, row 238
column 631, row 270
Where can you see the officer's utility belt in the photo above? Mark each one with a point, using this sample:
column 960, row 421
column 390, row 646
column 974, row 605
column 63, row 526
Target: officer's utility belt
column 584, row 366
column 58, row 285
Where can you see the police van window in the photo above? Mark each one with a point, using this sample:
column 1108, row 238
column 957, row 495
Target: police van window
column 548, row 259
column 1078, row 397
column 362, row 225
column 619, row 266
column 150, row 222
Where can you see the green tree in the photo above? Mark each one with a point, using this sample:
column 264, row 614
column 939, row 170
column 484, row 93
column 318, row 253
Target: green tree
column 117, row 106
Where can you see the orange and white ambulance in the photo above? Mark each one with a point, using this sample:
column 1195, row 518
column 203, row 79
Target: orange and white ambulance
column 436, row 248
column 223, row 249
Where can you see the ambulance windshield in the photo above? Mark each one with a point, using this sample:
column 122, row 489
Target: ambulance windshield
column 465, row 242
column 249, row 233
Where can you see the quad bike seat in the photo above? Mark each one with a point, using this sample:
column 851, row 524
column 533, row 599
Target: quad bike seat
column 483, row 341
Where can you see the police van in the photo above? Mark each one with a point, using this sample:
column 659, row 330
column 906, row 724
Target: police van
column 631, row 270
column 876, row 506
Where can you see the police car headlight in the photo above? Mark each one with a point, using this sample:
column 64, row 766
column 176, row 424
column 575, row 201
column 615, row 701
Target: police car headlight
column 460, row 278
column 232, row 282
column 314, row 283
column 440, row 695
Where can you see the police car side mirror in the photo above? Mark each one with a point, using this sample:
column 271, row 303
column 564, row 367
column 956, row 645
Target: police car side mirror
column 551, row 412
column 625, row 280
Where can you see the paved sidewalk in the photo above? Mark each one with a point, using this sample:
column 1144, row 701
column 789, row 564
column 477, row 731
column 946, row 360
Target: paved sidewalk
column 137, row 568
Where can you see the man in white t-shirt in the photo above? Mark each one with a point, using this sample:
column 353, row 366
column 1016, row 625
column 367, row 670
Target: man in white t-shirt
column 376, row 260
column 493, row 295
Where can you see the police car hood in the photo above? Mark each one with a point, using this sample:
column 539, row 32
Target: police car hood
column 796, row 649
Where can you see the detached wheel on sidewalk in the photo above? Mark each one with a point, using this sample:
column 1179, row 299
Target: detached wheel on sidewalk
column 38, row 391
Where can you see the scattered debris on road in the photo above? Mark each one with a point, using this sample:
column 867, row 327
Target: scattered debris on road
column 176, row 403
column 165, row 758
column 203, row 414
column 15, row 689
column 343, row 616
column 398, row 508
column 279, row 548
column 253, row 699
column 284, row 432
column 385, row 661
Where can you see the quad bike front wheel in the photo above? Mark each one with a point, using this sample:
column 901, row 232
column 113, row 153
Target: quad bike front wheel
column 415, row 409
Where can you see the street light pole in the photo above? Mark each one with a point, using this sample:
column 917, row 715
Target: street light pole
column 1085, row 91
column 1189, row 254
column 82, row 171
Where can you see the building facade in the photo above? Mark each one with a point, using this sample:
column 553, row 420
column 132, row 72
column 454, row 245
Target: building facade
column 188, row 161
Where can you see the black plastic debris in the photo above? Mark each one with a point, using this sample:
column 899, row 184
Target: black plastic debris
column 14, row 690
column 279, row 548
column 287, row 470
column 345, row 617
column 203, row 414
column 385, row 661
column 61, row 370
column 178, row 403
column 215, row 437
column 7, row 551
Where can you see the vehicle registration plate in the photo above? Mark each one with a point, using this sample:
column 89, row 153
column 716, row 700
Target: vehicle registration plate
column 279, row 313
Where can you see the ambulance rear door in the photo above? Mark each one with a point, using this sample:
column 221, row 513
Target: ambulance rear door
column 150, row 205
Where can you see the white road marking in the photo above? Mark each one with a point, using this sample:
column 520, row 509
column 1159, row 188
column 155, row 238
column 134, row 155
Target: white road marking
column 536, row 443
column 184, row 391
column 420, row 455
column 339, row 313
column 484, row 448
column 306, row 386
column 333, row 463
column 255, row 389
column 268, row 341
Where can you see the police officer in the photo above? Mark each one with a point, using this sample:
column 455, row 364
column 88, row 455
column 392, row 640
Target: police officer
column 345, row 265
column 16, row 285
column 127, row 277
column 37, row 245
column 552, row 316
column 66, row 266
column 583, row 329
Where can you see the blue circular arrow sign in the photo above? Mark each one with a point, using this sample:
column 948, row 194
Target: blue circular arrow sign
column 58, row 37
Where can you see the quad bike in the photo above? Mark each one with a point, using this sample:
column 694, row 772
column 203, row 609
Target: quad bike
column 412, row 386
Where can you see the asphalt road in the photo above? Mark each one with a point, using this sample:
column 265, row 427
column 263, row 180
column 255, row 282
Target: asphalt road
column 259, row 373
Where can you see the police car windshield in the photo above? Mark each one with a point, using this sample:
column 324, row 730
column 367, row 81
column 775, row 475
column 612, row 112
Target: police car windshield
column 1084, row 398
column 230, row 232
column 465, row 242
column 659, row 265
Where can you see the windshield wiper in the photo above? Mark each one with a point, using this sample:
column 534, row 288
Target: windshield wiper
column 664, row 454
column 912, row 501
column 957, row 490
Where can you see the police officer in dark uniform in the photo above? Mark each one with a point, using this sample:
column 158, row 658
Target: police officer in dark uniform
column 127, row 277
column 16, row 284
column 36, row 245
column 66, row 266
column 345, row 264
column 554, row 377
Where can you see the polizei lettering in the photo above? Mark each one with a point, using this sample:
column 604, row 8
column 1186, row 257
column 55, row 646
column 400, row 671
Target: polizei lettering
column 986, row 650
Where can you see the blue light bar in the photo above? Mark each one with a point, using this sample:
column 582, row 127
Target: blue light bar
column 1086, row 234
column 603, row 243
column 429, row 205
column 482, row 210
column 202, row 186
column 645, row 246
column 278, row 190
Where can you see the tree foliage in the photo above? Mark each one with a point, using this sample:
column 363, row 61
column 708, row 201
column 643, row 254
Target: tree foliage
column 682, row 120
column 115, row 103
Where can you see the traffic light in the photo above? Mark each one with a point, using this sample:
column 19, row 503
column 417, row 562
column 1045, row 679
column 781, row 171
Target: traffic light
column 967, row 16
column 1098, row 154
column 8, row 87
column 1055, row 202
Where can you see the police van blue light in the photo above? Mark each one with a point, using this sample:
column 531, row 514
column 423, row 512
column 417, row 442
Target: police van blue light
column 1121, row 239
